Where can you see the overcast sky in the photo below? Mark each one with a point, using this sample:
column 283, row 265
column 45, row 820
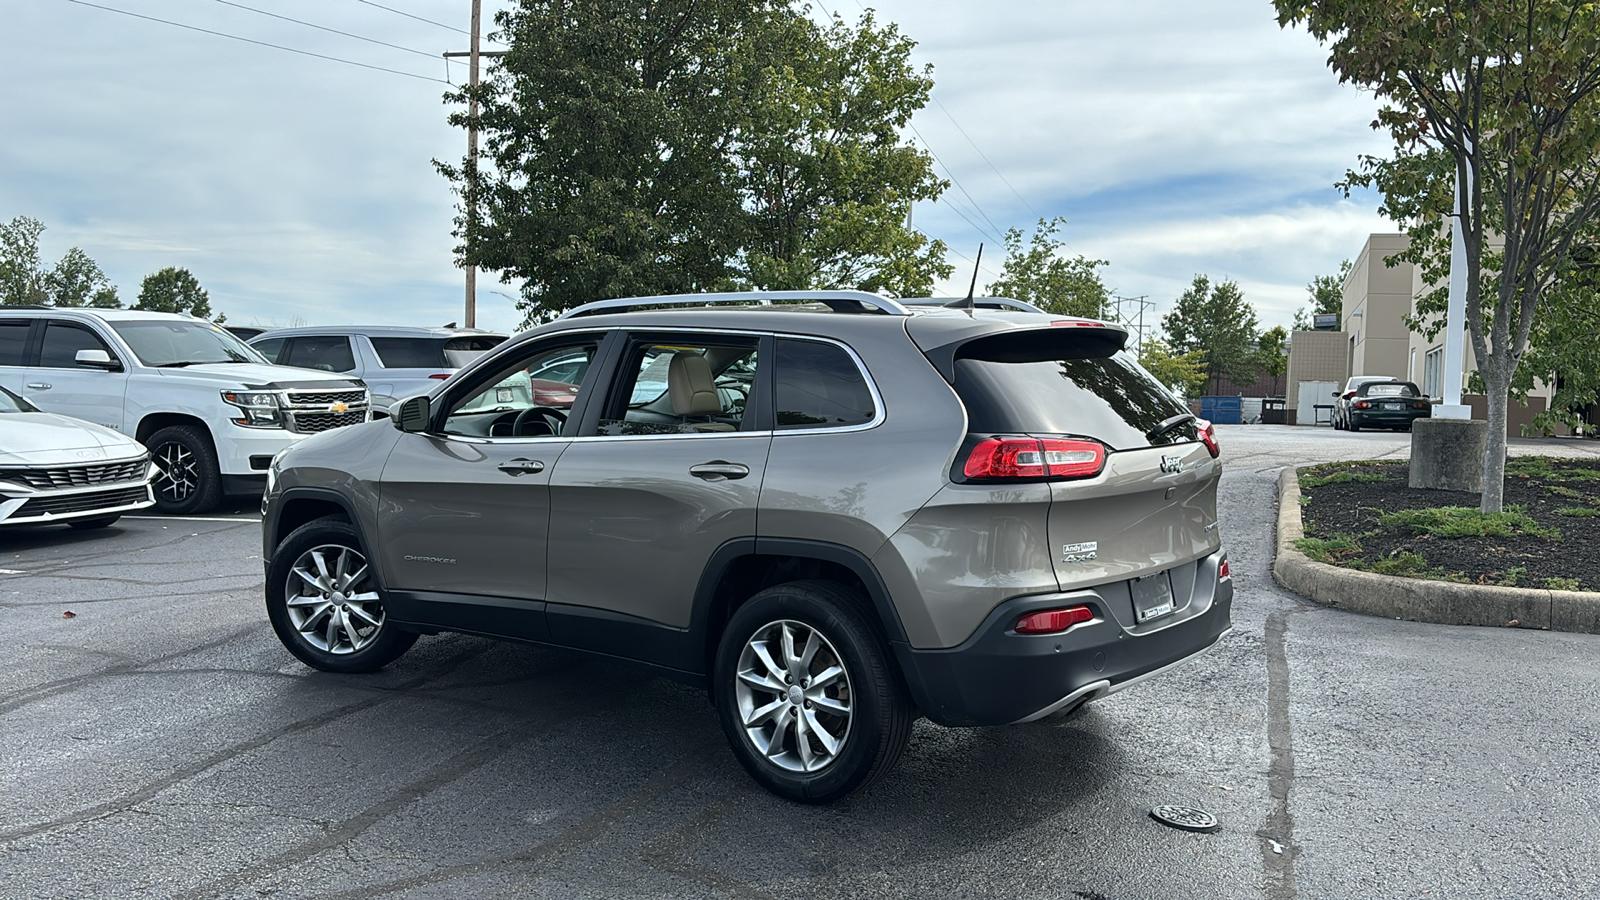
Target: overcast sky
column 1176, row 137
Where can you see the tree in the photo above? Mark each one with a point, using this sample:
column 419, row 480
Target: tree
column 1041, row 275
column 1272, row 354
column 671, row 146
column 1499, row 96
column 1325, row 296
column 174, row 290
column 77, row 280
column 1184, row 373
column 1216, row 322
column 21, row 280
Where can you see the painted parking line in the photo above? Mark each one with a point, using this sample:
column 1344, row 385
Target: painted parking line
column 189, row 519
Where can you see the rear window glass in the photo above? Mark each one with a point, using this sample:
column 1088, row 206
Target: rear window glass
column 1391, row 390
column 432, row 353
column 819, row 386
column 1111, row 399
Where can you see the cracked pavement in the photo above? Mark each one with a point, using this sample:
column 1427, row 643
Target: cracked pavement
column 161, row 743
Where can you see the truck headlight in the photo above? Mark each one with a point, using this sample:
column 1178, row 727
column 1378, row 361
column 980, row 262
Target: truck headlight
column 258, row 409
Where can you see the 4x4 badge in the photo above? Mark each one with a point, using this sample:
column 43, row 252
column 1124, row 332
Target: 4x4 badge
column 1072, row 553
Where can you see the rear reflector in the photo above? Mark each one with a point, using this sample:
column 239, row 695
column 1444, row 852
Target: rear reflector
column 1029, row 458
column 1051, row 621
column 1208, row 434
column 1223, row 574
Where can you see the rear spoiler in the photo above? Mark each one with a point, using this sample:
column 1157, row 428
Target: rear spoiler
column 1059, row 339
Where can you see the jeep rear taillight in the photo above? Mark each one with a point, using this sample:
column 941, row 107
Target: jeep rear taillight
column 1053, row 621
column 1208, row 434
column 1030, row 458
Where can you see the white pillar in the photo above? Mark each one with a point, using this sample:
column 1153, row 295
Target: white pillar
column 1455, row 318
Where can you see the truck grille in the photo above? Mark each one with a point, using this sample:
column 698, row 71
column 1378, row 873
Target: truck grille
column 79, row 476
column 314, row 411
column 312, row 422
column 73, row 503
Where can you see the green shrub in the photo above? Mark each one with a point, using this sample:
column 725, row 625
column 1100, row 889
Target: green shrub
column 1307, row 482
column 1586, row 512
column 1562, row 584
column 1461, row 521
column 1329, row 549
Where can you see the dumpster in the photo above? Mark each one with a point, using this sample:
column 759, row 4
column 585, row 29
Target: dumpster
column 1222, row 410
column 1274, row 411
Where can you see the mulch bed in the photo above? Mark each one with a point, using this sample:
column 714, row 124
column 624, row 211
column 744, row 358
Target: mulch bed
column 1561, row 497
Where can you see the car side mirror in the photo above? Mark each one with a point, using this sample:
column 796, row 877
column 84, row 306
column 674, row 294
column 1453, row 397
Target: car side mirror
column 411, row 414
column 1335, row 393
column 97, row 359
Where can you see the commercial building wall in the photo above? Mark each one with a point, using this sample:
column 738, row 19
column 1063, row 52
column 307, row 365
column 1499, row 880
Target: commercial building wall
column 1377, row 298
column 1315, row 356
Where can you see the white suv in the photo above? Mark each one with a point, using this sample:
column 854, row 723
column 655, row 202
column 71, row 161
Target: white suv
column 212, row 411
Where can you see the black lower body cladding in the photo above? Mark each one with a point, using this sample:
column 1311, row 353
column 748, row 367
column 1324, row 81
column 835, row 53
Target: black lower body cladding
column 999, row 677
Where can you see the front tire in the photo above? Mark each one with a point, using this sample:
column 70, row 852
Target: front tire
column 807, row 694
column 190, row 480
column 324, row 604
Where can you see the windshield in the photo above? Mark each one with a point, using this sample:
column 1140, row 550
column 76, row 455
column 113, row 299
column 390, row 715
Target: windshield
column 176, row 342
column 11, row 403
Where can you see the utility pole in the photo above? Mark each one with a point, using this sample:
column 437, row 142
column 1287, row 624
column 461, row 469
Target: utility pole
column 471, row 193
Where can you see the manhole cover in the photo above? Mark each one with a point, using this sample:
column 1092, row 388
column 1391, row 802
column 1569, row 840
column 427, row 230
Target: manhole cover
column 1186, row 818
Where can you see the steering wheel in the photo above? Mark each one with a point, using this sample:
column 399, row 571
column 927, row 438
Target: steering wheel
column 554, row 420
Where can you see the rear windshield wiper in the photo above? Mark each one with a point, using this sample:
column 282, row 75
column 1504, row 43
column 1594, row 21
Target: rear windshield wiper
column 1168, row 425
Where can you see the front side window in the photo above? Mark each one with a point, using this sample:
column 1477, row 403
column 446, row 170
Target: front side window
column 818, row 385
column 13, row 340
column 529, row 397
column 269, row 348
column 63, row 340
column 698, row 385
column 172, row 343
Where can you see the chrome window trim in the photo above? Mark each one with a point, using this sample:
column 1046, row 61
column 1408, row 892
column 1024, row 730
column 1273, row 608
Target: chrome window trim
column 879, row 414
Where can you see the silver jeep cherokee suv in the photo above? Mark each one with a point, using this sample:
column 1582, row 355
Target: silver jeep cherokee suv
column 834, row 511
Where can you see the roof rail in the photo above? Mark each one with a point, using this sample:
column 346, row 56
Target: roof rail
column 838, row 301
column 978, row 302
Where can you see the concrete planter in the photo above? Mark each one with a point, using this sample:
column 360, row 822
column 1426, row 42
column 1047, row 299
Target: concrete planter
column 1415, row 599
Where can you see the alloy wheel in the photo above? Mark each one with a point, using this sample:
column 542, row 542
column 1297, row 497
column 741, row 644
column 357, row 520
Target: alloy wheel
column 180, row 471
column 331, row 602
column 794, row 696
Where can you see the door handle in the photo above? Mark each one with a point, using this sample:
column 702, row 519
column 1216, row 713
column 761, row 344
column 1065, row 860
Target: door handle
column 38, row 386
column 718, row 470
column 519, row 466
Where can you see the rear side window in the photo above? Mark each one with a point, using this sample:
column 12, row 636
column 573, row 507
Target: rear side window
column 410, row 353
column 328, row 354
column 13, row 340
column 1111, row 399
column 819, row 386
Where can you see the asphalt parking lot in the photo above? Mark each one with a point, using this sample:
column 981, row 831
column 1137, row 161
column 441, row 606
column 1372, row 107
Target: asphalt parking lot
column 161, row 743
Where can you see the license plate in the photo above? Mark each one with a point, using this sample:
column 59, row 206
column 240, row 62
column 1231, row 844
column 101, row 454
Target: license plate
column 1394, row 406
column 1152, row 597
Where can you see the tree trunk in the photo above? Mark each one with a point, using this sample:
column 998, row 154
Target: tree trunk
column 1498, row 392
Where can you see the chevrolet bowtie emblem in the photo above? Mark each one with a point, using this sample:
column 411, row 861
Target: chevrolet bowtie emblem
column 341, row 407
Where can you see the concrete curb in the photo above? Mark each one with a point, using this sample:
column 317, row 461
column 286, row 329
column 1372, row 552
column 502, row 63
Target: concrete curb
column 1415, row 599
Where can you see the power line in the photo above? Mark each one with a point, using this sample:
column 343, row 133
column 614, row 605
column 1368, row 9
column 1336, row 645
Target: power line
column 995, row 233
column 401, row 12
column 235, row 37
column 327, row 29
column 981, row 153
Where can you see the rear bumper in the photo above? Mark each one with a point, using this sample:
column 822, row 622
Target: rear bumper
column 1000, row 677
column 1396, row 419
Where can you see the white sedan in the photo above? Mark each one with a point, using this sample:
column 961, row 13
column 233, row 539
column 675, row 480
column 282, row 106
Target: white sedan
column 60, row 469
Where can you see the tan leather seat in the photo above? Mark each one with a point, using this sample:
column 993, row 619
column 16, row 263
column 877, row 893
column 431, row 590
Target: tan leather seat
column 693, row 390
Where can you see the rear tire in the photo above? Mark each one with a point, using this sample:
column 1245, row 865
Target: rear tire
column 807, row 693
column 96, row 522
column 324, row 603
column 190, row 480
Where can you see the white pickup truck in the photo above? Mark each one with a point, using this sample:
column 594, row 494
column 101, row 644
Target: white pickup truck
column 212, row 410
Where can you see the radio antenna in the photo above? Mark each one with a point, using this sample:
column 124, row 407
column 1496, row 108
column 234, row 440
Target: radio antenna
column 972, row 288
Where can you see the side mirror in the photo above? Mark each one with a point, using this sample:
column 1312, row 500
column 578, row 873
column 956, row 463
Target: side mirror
column 1335, row 393
column 411, row 414
column 97, row 359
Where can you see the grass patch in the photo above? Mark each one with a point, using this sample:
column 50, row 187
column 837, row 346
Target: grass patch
column 1403, row 562
column 1562, row 584
column 1579, row 512
column 1569, row 493
column 1513, row 576
column 1346, row 477
column 1544, row 468
column 1461, row 521
column 1331, row 549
